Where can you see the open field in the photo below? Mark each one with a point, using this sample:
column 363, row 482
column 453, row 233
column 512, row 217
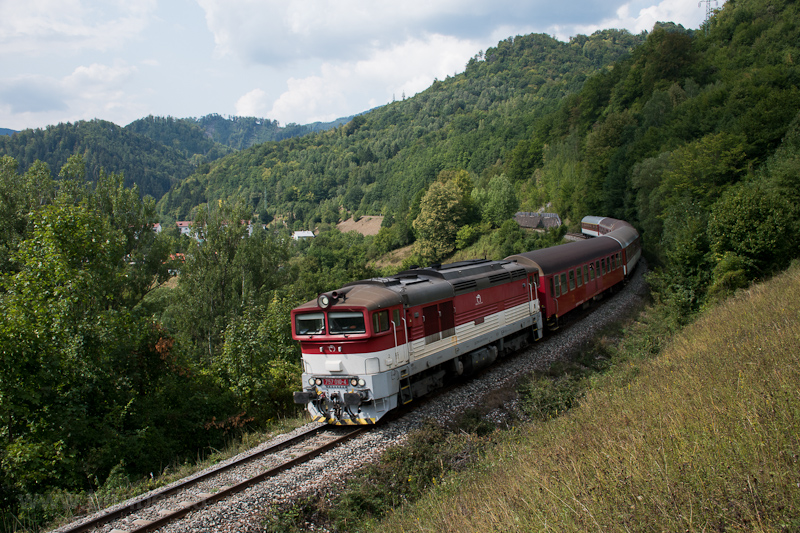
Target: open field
column 366, row 225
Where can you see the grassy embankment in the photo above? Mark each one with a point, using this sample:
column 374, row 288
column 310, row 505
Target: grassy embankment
column 703, row 437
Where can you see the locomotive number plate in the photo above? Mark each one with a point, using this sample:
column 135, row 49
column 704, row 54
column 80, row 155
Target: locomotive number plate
column 335, row 382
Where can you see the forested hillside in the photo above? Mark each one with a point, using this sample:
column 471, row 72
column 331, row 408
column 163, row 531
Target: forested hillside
column 154, row 153
column 693, row 136
column 153, row 166
column 379, row 161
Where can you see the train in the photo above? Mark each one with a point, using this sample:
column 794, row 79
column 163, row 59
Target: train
column 377, row 344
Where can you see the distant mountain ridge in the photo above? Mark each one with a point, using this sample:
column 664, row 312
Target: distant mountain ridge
column 153, row 152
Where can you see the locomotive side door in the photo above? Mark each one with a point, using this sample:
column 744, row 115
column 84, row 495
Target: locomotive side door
column 401, row 344
column 533, row 292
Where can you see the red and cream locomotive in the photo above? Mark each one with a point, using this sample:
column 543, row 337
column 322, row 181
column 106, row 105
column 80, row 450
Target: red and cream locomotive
column 378, row 343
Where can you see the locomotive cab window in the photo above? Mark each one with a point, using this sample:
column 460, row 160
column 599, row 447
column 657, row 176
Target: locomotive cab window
column 396, row 318
column 342, row 323
column 310, row 324
column 380, row 321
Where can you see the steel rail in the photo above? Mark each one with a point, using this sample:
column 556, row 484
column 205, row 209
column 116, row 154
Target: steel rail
column 157, row 496
column 246, row 484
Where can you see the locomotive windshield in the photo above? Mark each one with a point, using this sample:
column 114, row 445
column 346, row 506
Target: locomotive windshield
column 310, row 324
column 342, row 323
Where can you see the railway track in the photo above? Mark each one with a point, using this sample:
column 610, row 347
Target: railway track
column 213, row 485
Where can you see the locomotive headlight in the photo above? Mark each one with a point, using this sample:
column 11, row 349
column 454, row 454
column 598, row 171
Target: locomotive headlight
column 311, row 381
column 318, row 381
column 361, row 382
column 324, row 301
column 353, row 382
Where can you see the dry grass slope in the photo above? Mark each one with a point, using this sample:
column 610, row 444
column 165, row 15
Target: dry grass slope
column 705, row 438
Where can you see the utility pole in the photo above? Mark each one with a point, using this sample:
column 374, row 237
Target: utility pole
column 708, row 10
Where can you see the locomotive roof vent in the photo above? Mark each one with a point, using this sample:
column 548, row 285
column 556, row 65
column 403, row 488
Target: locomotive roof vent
column 500, row 277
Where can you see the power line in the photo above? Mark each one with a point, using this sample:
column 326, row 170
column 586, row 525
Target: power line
column 709, row 11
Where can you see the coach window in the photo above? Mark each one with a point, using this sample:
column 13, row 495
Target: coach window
column 554, row 288
column 597, row 268
column 564, row 286
column 380, row 321
column 585, row 274
column 591, row 271
column 603, row 266
column 572, row 280
column 580, row 276
column 619, row 260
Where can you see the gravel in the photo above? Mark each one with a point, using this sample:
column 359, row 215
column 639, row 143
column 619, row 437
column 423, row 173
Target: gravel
column 244, row 511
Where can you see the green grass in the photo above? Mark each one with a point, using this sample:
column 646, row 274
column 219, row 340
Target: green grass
column 703, row 437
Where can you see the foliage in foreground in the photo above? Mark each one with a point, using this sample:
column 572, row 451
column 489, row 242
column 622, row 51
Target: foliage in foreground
column 703, row 437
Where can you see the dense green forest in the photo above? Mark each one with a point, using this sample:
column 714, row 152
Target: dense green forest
column 155, row 153
column 110, row 363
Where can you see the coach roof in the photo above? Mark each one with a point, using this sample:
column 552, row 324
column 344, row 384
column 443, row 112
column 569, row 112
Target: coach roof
column 559, row 258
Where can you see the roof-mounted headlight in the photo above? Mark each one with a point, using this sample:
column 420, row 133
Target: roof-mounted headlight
column 324, row 301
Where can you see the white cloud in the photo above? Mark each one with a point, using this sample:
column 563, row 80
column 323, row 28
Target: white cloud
column 343, row 88
column 253, row 104
column 283, row 31
column 62, row 26
column 685, row 12
column 122, row 59
column 100, row 76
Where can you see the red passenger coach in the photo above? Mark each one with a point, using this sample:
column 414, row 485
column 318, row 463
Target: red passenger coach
column 574, row 273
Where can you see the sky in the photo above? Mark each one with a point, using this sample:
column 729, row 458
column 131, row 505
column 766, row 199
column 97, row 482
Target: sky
column 294, row 61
